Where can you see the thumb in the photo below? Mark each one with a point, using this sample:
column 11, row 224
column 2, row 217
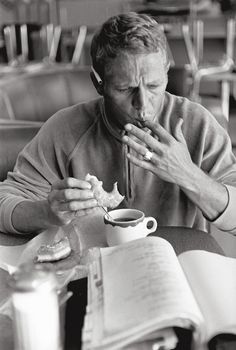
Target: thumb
column 178, row 131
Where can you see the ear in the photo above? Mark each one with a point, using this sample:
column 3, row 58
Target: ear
column 168, row 67
column 97, row 81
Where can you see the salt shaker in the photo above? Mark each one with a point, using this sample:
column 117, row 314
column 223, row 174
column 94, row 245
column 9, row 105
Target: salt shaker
column 36, row 321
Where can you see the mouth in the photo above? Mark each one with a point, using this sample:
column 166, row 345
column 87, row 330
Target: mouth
column 140, row 123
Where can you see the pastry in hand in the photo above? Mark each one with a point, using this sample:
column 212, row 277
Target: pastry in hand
column 55, row 251
column 105, row 199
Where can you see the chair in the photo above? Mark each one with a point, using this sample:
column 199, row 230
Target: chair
column 51, row 40
column 72, row 45
column 13, row 137
column 219, row 72
column 31, row 42
column 52, row 36
column 18, row 39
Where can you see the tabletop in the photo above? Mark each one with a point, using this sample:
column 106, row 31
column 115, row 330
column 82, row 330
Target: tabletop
column 182, row 239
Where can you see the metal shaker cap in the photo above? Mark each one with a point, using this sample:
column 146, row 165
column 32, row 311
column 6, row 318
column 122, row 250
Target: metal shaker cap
column 32, row 277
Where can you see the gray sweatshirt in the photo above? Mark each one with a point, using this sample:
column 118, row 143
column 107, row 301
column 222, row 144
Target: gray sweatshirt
column 79, row 140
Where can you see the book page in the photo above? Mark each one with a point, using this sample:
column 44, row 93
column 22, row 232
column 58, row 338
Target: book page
column 144, row 285
column 213, row 280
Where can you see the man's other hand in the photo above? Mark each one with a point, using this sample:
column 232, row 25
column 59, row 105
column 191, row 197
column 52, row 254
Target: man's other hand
column 170, row 160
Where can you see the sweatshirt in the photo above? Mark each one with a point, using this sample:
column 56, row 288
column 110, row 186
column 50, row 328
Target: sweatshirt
column 79, row 140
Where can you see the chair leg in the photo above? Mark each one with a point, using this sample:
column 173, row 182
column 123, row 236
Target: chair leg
column 24, row 43
column 10, row 42
column 225, row 96
column 198, row 30
column 55, row 43
column 79, row 45
column 195, row 93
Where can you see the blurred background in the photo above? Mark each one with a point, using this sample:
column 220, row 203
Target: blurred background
column 45, row 62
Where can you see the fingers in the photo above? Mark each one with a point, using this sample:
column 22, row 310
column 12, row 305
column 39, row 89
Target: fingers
column 142, row 135
column 157, row 130
column 71, row 190
column 71, row 195
column 74, row 205
column 71, row 182
column 140, row 149
column 70, row 198
column 158, row 137
column 148, row 141
column 140, row 162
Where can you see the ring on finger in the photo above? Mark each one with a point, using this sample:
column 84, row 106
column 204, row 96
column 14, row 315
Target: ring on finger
column 148, row 156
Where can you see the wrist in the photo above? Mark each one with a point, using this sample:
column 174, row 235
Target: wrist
column 192, row 179
column 209, row 195
column 31, row 216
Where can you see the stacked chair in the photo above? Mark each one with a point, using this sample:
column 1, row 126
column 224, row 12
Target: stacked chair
column 22, row 40
column 220, row 72
column 33, row 88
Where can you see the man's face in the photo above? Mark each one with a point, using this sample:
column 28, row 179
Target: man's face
column 134, row 87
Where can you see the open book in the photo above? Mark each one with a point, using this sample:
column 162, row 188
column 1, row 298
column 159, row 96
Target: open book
column 141, row 287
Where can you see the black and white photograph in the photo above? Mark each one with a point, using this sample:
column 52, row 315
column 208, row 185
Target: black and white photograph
column 117, row 174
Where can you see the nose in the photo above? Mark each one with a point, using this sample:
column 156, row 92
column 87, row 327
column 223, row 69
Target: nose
column 140, row 100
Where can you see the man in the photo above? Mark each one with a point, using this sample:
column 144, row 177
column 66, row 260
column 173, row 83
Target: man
column 170, row 157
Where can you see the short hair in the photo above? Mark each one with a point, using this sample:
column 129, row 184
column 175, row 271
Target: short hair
column 129, row 32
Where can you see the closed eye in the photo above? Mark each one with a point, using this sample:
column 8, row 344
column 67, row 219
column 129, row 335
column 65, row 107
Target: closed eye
column 153, row 87
column 124, row 89
column 131, row 89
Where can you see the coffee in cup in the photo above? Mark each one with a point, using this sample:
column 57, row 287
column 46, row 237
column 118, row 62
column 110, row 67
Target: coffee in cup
column 124, row 225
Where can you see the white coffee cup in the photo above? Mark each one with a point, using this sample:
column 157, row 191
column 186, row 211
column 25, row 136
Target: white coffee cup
column 124, row 225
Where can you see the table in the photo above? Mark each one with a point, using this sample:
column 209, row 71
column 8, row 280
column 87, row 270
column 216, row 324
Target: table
column 182, row 239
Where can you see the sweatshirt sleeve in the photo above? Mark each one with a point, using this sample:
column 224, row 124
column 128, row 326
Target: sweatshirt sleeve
column 30, row 180
column 211, row 150
column 221, row 163
column 38, row 165
column 226, row 221
column 43, row 161
column 7, row 205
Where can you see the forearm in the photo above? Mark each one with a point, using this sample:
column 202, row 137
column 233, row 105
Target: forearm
column 208, row 194
column 31, row 216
